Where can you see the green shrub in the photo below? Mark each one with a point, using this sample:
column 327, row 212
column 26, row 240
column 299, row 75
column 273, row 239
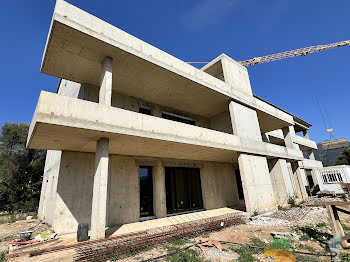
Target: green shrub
column 291, row 201
column 187, row 255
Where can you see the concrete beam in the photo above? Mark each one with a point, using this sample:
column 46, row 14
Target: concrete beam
column 100, row 189
column 159, row 197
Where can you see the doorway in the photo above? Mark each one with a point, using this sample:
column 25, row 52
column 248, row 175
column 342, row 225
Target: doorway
column 183, row 189
column 146, row 191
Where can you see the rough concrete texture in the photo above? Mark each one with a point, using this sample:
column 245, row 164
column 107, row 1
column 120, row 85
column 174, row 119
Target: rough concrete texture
column 236, row 75
column 124, row 196
column 219, row 187
column 244, row 121
column 159, row 196
column 74, row 191
column 85, row 41
column 66, row 123
column 76, row 179
column 49, row 186
column 256, row 182
column 100, row 189
column 105, row 95
column 281, row 181
column 297, row 181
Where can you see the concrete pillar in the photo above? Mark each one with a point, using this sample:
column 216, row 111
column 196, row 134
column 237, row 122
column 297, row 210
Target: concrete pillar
column 159, row 197
column 281, row 180
column 300, row 180
column 287, row 133
column 305, row 133
column 311, row 154
column 244, row 121
column 105, row 96
column 256, row 182
column 100, row 189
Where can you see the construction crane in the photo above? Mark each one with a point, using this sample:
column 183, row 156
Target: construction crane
column 336, row 143
column 288, row 54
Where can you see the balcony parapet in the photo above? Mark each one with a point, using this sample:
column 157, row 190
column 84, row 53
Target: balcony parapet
column 65, row 123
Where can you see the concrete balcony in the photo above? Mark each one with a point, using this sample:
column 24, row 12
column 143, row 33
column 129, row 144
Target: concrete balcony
column 310, row 164
column 78, row 42
column 277, row 137
column 304, row 143
column 64, row 123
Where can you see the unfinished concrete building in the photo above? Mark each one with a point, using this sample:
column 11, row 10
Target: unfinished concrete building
column 134, row 133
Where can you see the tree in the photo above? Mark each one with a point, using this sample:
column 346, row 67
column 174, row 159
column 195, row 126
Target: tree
column 344, row 157
column 21, row 170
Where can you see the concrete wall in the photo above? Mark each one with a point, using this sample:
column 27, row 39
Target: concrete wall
column 74, row 191
column 222, row 123
column 49, row 186
column 132, row 103
column 124, row 192
column 219, row 188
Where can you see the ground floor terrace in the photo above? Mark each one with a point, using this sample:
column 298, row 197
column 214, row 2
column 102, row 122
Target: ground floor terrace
column 141, row 189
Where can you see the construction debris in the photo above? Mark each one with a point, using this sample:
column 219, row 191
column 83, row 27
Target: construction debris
column 116, row 247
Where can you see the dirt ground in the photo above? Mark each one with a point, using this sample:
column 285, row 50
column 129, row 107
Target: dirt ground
column 306, row 228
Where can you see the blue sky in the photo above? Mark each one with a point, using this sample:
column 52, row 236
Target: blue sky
column 200, row 31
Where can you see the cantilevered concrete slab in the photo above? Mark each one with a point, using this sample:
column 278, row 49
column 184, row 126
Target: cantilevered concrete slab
column 64, row 123
column 78, row 42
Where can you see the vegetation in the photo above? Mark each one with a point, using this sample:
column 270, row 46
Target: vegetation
column 344, row 157
column 187, row 255
column 246, row 253
column 321, row 224
column 180, row 254
column 306, row 247
column 280, row 243
column 21, row 170
column 300, row 258
column 328, row 157
column 3, row 256
column 291, row 201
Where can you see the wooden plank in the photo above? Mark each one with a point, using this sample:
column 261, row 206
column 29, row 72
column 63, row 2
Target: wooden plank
column 335, row 224
column 333, row 203
column 343, row 210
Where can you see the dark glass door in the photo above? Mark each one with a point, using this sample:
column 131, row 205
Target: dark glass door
column 146, row 191
column 183, row 189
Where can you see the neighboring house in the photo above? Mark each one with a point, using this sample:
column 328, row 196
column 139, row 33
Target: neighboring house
column 134, row 133
column 330, row 179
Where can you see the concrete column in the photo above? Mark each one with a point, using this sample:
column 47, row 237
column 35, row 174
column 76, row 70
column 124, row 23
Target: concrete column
column 105, row 96
column 300, row 180
column 287, row 133
column 244, row 121
column 100, row 189
column 311, row 154
column 256, row 182
column 306, row 135
column 159, row 197
column 281, row 180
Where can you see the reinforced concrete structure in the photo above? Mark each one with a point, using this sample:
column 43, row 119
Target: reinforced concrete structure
column 134, row 133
